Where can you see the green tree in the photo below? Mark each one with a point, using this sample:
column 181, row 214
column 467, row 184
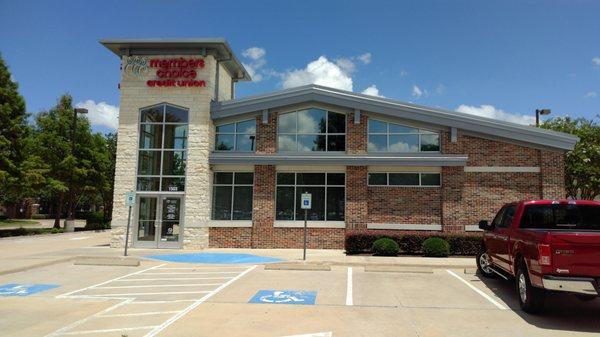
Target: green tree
column 582, row 164
column 13, row 131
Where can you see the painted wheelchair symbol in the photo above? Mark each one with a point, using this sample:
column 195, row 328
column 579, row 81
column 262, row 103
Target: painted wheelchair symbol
column 284, row 297
column 14, row 289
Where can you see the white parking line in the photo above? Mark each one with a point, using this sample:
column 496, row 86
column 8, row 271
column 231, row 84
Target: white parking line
column 141, row 313
column 484, row 295
column 160, row 328
column 162, row 285
column 349, row 288
column 173, row 279
column 158, row 293
column 200, row 268
column 89, row 332
column 195, row 273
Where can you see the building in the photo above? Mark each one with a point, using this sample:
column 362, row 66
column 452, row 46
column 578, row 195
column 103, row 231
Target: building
column 210, row 170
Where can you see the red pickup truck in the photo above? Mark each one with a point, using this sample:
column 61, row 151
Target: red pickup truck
column 545, row 245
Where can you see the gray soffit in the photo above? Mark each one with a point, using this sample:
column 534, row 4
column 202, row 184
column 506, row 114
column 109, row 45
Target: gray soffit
column 215, row 46
column 393, row 108
column 322, row 159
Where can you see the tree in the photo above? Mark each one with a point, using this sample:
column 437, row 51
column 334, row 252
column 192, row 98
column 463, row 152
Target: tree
column 582, row 164
column 13, row 130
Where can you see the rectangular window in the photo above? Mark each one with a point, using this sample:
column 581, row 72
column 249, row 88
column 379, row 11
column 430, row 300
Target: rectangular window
column 405, row 179
column 311, row 130
column 232, row 195
column 327, row 191
column 239, row 136
column 390, row 137
column 162, row 147
column 562, row 217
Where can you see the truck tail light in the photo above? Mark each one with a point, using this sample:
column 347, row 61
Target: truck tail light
column 545, row 254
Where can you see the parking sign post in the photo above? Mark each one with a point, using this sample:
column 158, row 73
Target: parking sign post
column 305, row 205
column 129, row 201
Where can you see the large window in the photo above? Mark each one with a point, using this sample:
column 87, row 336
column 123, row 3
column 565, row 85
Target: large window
column 232, row 196
column 390, row 137
column 162, row 147
column 562, row 217
column 311, row 130
column 239, row 136
column 328, row 196
column 404, row 179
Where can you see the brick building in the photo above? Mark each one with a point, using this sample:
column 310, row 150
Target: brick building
column 210, row 170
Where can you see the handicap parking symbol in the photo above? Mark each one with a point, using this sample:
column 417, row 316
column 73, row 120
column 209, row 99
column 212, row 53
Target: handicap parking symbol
column 14, row 289
column 284, row 297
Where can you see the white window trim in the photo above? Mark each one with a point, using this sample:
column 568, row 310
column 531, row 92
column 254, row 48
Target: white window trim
column 421, row 131
column 473, row 228
column 387, row 177
column 309, row 224
column 230, row 223
column 326, row 133
column 503, row 169
column 414, row 227
column 295, row 185
column 235, row 134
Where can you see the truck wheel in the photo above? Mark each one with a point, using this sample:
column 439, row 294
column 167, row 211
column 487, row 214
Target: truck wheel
column 531, row 299
column 483, row 264
column 586, row 298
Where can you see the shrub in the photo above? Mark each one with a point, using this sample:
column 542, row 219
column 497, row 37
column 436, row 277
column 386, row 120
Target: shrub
column 95, row 226
column 41, row 216
column 3, row 217
column 436, row 247
column 411, row 242
column 56, row 230
column 385, row 247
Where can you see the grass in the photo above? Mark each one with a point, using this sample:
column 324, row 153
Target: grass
column 13, row 222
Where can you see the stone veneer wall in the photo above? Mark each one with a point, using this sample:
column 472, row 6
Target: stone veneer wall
column 136, row 95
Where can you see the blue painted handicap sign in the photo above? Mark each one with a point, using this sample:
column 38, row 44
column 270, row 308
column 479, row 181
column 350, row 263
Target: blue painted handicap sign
column 284, row 297
column 13, row 289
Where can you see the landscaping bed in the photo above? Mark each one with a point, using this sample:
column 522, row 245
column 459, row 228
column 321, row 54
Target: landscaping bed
column 411, row 242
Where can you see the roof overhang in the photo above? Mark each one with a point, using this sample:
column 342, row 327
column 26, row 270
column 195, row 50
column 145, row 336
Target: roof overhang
column 218, row 47
column 322, row 159
column 393, row 108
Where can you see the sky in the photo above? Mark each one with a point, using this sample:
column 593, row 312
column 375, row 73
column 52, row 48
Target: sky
column 499, row 59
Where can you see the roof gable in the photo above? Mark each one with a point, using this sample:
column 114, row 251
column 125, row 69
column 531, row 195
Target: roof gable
column 394, row 108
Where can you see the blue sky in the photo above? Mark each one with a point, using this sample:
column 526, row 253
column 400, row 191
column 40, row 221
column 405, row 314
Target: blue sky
column 493, row 58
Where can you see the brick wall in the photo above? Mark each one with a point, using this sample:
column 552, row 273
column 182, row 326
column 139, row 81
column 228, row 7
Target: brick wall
column 357, row 196
column 263, row 206
column 552, row 166
column 356, row 134
column 404, row 205
column 225, row 237
column 485, row 152
column 266, row 135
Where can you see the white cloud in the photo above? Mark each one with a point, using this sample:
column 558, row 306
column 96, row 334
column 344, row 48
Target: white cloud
column 346, row 65
column 591, row 94
column 403, row 73
column 372, row 90
column 596, row 61
column 320, row 71
column 365, row 58
column 418, row 92
column 490, row 111
column 101, row 114
column 254, row 53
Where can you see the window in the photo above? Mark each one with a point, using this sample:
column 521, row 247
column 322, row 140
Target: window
column 508, row 217
column 405, row 179
column 239, row 136
column 311, row 130
column 390, row 137
column 328, row 196
column 232, row 195
column 557, row 217
column 162, row 153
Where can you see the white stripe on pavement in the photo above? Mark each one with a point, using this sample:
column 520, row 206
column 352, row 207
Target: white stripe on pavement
column 174, row 279
column 484, row 295
column 141, row 313
column 162, row 285
column 349, row 288
column 89, row 332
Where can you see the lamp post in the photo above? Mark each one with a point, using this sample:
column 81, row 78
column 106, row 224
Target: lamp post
column 70, row 222
column 539, row 112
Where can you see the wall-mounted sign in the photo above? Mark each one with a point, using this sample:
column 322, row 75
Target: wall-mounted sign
column 170, row 72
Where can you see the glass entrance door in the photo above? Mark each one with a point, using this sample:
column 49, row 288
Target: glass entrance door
column 159, row 222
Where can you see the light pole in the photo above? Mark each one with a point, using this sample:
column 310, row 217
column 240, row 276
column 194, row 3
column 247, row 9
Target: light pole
column 539, row 112
column 70, row 222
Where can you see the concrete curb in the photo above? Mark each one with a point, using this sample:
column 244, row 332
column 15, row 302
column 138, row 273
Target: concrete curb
column 297, row 266
column 35, row 265
column 107, row 261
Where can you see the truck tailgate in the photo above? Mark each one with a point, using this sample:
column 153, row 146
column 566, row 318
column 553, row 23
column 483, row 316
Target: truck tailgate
column 576, row 253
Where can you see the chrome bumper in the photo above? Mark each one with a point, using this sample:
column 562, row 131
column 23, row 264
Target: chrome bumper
column 570, row 284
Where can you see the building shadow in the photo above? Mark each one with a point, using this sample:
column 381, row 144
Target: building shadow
column 561, row 312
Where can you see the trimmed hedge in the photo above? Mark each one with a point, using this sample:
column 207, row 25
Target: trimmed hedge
column 385, row 247
column 411, row 242
column 436, row 247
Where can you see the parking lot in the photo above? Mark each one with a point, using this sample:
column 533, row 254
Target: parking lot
column 181, row 299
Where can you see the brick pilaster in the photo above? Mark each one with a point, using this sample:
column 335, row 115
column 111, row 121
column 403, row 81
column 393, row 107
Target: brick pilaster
column 263, row 206
column 357, row 196
column 552, row 175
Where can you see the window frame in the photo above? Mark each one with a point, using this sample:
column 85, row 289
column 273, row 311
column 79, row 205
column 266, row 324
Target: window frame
column 326, row 133
column 295, row 186
column 387, row 179
column 232, row 185
column 161, row 150
column 420, row 132
column 235, row 134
